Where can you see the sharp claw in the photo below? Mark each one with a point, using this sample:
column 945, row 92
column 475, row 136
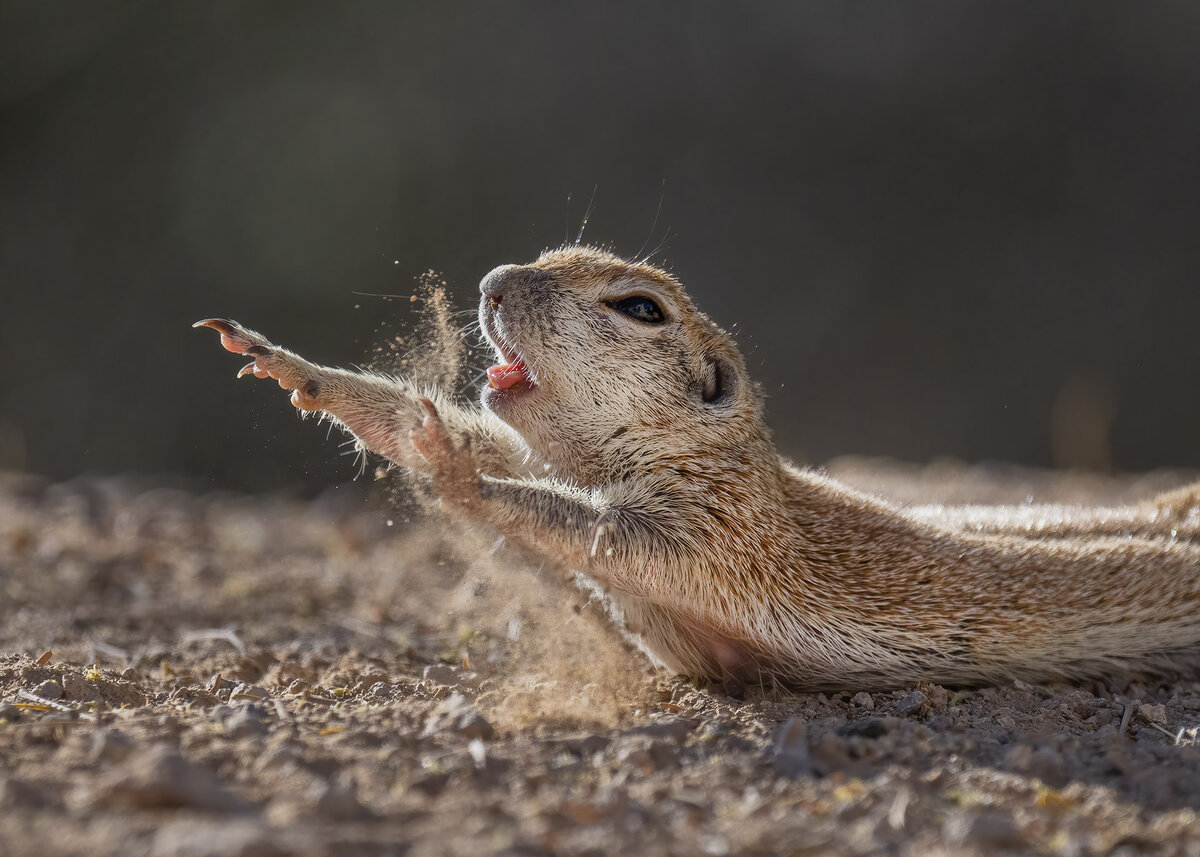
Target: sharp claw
column 234, row 337
column 430, row 408
column 221, row 325
column 247, row 369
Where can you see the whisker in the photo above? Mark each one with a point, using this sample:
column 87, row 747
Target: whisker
column 586, row 214
column 661, row 245
column 376, row 295
column 661, row 196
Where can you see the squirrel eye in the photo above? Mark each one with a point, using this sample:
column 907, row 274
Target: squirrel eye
column 639, row 307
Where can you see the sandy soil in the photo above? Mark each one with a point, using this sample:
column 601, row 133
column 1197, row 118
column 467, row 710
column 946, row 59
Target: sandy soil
column 223, row 675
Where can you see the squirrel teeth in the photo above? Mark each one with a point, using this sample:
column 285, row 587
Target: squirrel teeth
column 507, row 375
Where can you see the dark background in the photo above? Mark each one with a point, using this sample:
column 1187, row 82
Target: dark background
column 937, row 228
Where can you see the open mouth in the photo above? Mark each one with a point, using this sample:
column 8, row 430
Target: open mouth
column 506, row 375
column 510, row 372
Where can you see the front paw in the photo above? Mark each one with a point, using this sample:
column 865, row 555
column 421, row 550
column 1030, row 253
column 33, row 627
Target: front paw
column 270, row 361
column 452, row 466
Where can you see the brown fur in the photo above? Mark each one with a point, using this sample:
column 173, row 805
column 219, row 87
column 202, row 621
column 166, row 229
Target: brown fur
column 721, row 558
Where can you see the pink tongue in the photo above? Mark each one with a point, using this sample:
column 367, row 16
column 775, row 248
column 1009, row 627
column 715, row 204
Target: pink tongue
column 503, row 377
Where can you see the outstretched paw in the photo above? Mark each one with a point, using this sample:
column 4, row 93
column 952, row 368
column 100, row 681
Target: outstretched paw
column 452, row 466
column 270, row 361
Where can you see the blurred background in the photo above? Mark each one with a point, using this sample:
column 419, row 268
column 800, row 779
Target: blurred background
column 962, row 229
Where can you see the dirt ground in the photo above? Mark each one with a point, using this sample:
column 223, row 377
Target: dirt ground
column 198, row 674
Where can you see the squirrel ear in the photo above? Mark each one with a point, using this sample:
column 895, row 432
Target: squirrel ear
column 716, row 380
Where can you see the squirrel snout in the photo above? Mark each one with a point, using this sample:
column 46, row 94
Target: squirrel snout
column 508, row 278
column 496, row 282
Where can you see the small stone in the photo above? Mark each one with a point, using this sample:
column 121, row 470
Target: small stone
column 477, row 750
column 940, row 721
column 459, row 716
column 218, row 682
column 431, row 783
column 791, row 749
column 339, row 803
column 671, row 728
column 79, row 689
column 588, row 745
column 863, row 700
column 278, row 757
column 244, row 691
column 647, row 755
column 49, row 690
column 108, row 745
column 1153, row 713
column 872, row 727
column 938, row 696
column 1048, row 766
column 912, row 703
column 443, row 674
column 986, row 830
column 1019, row 758
column 160, row 778
column 828, row 754
column 224, row 838
column 638, row 759
column 18, row 792
column 246, row 722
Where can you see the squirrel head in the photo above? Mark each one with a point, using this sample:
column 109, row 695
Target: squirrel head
column 606, row 364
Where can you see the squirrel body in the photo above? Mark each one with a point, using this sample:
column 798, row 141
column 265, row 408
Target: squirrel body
column 621, row 435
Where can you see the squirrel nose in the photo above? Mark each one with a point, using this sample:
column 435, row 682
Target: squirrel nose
column 496, row 281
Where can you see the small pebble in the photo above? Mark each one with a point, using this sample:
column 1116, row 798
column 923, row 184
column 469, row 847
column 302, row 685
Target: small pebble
column 160, row 778
column 912, row 703
column 245, row 722
column 218, row 683
column 872, row 727
column 1153, row 713
column 863, row 700
column 588, row 745
column 338, row 803
column 940, row 721
column 647, row 755
column 443, row 674
column 223, row 838
column 986, row 830
column 245, row 691
column 49, row 690
column 19, row 792
column 828, row 754
column 457, row 715
column 79, row 689
column 109, row 745
column 791, row 749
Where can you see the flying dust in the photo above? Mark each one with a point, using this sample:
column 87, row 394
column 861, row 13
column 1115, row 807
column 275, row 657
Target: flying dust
column 561, row 660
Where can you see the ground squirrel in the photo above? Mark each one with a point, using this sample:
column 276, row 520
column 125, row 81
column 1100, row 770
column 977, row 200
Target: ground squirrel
column 621, row 436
